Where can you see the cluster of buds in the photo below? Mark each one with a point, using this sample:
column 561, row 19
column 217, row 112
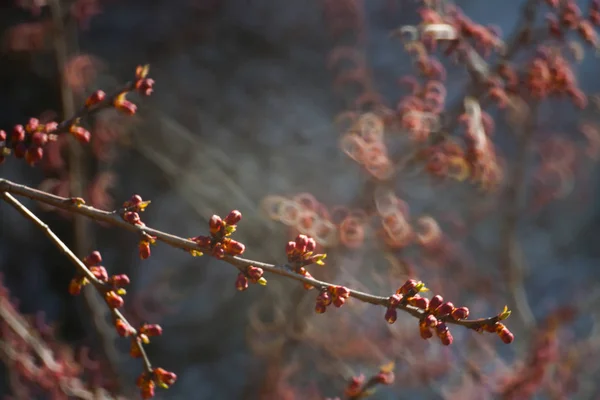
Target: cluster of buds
column 131, row 209
column 219, row 243
column 300, row 254
column 91, row 261
column 27, row 141
column 111, row 286
column 359, row 387
column 550, row 74
column 485, row 38
column 250, row 274
column 143, row 84
column 435, row 312
column 148, row 381
column 569, row 17
column 408, row 292
column 336, row 295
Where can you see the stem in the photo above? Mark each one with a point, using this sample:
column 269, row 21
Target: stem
column 100, row 286
column 113, row 218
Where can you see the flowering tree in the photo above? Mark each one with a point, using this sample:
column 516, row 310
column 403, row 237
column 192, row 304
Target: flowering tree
column 429, row 137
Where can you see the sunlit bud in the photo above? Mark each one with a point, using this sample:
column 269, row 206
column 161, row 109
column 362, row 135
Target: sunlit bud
column 391, row 315
column 18, row 134
column 113, row 300
column 99, row 272
column 80, row 133
column 241, row 283
column 460, row 313
column 435, row 302
column 151, row 330
column 95, row 98
column 39, row 138
column 215, row 224
column 123, row 328
column 444, row 309
column 233, row 217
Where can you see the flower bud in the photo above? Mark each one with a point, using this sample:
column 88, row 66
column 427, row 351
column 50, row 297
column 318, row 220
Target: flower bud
column 435, row 302
column 342, row 291
column 97, row 97
column 446, row 338
column 50, row 127
column 33, row 155
column 254, row 273
column 419, row 302
column 384, row 378
column 431, row 321
column 441, row 328
column 444, row 309
column 151, row 330
column 99, row 272
column 32, row 125
column 311, row 244
column 80, row 133
column 94, row 258
column 18, row 134
column 408, row 286
column 324, row 298
column 132, row 217
column 233, row 217
column 218, row 251
column 241, row 283
column 290, row 248
column 235, row 248
column 124, row 105
column 460, row 313
column 39, row 138
column 164, row 377
column 215, row 224
column 113, row 300
column 424, row 331
column 123, row 328
column 391, row 315
column 320, row 308
column 144, row 249
column 301, row 243
column 506, row 335
column 145, row 86
column 119, row 280
column 339, row 301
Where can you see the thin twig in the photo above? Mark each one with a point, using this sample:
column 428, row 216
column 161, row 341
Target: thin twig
column 98, row 285
column 112, row 218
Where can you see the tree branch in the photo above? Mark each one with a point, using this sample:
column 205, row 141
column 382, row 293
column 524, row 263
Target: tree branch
column 113, row 218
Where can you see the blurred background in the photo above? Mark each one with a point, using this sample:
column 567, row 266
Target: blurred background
column 246, row 99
